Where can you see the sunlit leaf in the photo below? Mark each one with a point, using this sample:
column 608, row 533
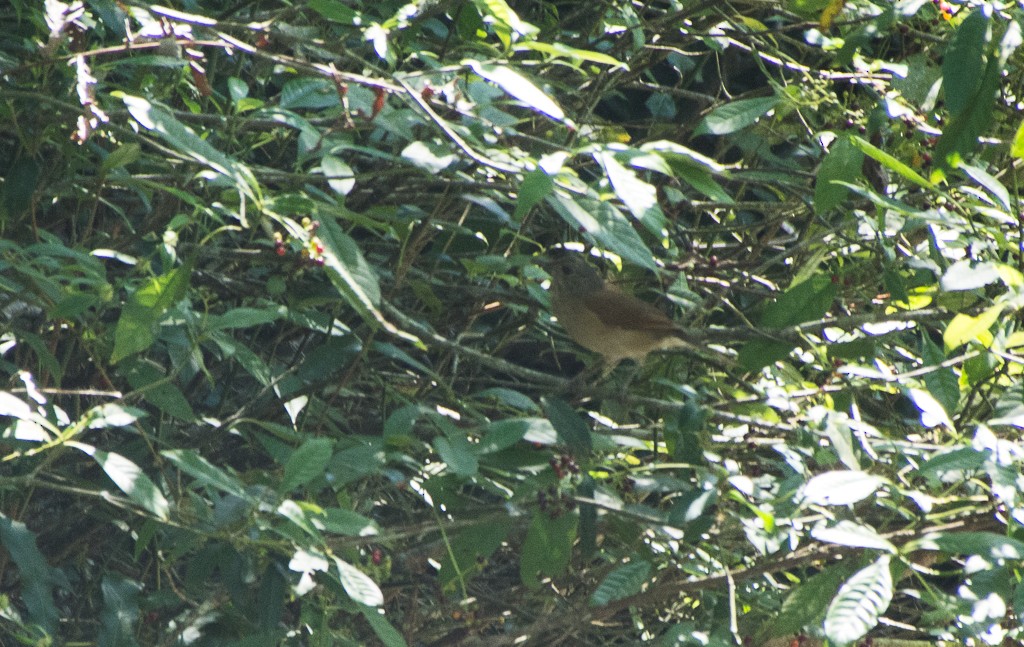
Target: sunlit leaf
column 130, row 479
column 860, row 603
column 518, row 86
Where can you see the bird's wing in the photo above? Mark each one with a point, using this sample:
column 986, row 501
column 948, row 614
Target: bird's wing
column 620, row 310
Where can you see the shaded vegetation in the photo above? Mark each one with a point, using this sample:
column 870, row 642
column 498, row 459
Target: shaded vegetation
column 278, row 359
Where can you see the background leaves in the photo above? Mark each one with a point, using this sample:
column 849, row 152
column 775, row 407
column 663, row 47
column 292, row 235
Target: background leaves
column 279, row 366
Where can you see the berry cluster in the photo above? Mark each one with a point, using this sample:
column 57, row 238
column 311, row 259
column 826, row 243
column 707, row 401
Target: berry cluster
column 312, row 250
column 554, row 502
column 564, row 464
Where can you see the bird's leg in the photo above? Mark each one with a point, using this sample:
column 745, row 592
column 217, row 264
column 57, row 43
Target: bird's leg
column 577, row 383
column 630, row 376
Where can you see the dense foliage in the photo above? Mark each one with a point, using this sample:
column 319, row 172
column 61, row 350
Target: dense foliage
column 279, row 367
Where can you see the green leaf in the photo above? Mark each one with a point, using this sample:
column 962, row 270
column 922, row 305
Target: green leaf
column 994, row 186
column 19, row 187
column 432, row 158
column 849, row 533
column 942, row 383
column 148, row 380
column 995, row 548
column 458, row 454
column 121, row 156
column 807, row 301
column 891, row 163
column 509, row 397
column 965, row 275
column 933, row 413
column 346, row 522
column 624, row 581
column 861, row 601
column 588, row 518
column 518, row 86
column 306, row 463
column 335, row 11
column 246, row 317
column 843, row 162
column 964, row 61
column 502, row 434
column 571, row 428
column 205, row 472
column 120, row 615
column 956, row 463
column 757, row 354
column 160, row 120
column 842, row 487
column 36, row 576
column 340, row 176
column 501, row 16
column 963, row 329
column 735, row 116
column 640, row 198
column 536, row 186
column 356, row 462
column 1017, row 148
column 311, row 93
column 606, row 224
column 547, row 548
column 389, row 636
column 807, row 603
column 560, row 50
column 145, row 307
column 470, row 549
column 960, row 136
column 352, row 276
column 130, row 479
column 399, row 425
column 358, row 584
column 106, row 416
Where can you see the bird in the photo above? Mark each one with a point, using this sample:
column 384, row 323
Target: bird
column 602, row 318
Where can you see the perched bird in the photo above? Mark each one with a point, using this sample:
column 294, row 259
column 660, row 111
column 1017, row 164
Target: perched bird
column 604, row 319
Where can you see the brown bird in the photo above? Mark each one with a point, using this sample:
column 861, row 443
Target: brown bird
column 604, row 319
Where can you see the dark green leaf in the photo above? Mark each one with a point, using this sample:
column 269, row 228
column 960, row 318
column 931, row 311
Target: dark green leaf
column 120, row 616
column 245, row 318
column 458, row 454
column 735, row 116
column 963, row 62
column 36, row 575
column 759, row 353
column 807, row 301
column 547, row 548
column 942, row 383
column 571, row 428
column 306, row 463
column 19, row 187
column 843, row 162
column 335, row 11
column 205, row 472
column 389, row 636
column 536, row 186
column 470, row 549
column 149, row 381
column 807, row 603
column 624, row 581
